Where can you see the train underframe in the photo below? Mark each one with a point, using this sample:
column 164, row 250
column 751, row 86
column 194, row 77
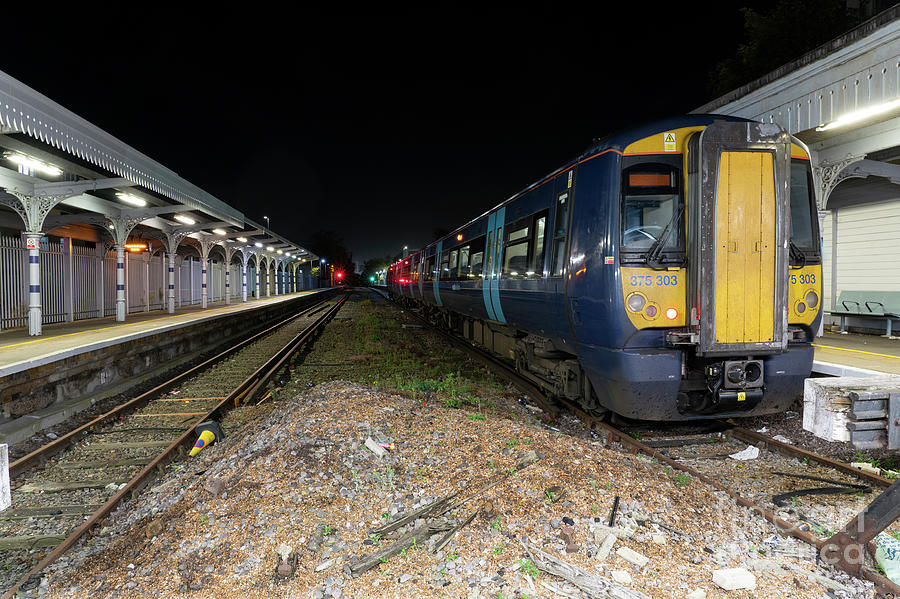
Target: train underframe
column 647, row 384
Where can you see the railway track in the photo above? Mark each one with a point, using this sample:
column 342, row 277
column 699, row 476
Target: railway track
column 831, row 506
column 65, row 488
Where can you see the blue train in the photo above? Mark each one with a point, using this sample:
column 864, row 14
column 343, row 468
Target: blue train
column 670, row 272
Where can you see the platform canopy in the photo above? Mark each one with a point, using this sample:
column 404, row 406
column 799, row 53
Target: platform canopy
column 86, row 178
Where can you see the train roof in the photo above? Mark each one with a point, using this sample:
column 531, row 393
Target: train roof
column 616, row 141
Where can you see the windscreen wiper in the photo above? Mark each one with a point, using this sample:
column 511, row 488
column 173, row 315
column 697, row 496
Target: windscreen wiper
column 653, row 256
column 797, row 255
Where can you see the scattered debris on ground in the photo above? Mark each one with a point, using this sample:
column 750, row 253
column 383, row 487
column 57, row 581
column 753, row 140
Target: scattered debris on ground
column 297, row 505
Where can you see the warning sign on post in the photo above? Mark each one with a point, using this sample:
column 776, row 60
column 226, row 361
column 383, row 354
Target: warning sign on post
column 31, row 243
column 669, row 142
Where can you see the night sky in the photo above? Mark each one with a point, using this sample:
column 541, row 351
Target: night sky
column 382, row 128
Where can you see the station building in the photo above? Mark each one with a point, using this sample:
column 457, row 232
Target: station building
column 843, row 101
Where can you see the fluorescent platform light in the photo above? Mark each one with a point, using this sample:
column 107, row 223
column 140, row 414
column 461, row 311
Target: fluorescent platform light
column 258, row 244
column 133, row 200
column 860, row 115
column 34, row 165
column 242, row 239
column 185, row 219
column 220, row 232
column 270, row 249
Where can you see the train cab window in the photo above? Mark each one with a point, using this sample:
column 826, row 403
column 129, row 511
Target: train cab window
column 651, row 208
column 560, row 229
column 803, row 225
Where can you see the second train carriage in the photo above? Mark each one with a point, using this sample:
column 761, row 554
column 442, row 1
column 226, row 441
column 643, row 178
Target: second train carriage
column 672, row 271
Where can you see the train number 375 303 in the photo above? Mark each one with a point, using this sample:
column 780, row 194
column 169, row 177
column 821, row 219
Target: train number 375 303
column 803, row 279
column 650, row 280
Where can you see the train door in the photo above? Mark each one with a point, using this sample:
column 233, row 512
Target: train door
column 738, row 212
column 492, row 268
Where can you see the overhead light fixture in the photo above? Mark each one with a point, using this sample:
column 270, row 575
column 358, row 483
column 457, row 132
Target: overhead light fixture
column 185, row 219
column 280, row 252
column 220, row 232
column 258, row 244
column 860, row 115
column 270, row 249
column 130, row 199
column 31, row 164
column 242, row 239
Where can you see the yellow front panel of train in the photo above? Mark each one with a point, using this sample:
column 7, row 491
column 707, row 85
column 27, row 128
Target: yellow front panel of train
column 745, row 248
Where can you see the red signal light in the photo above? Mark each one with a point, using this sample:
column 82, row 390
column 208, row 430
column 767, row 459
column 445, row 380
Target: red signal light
column 339, row 275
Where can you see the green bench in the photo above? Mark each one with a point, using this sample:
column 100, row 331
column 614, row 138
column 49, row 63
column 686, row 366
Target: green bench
column 883, row 305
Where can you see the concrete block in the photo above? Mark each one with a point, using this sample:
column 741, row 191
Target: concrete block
column 5, row 495
column 733, row 579
column 827, row 405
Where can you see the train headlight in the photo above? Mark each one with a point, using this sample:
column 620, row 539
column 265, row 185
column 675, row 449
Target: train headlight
column 635, row 302
column 801, row 307
column 812, row 300
column 651, row 311
column 671, row 313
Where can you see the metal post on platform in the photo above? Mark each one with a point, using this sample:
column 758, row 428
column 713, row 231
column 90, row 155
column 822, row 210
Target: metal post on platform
column 120, row 283
column 171, row 291
column 68, row 279
column 228, row 284
column 204, row 294
column 33, row 245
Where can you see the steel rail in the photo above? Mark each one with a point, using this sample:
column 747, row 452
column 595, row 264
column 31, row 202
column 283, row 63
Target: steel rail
column 853, row 537
column 58, row 445
column 829, row 549
column 263, row 373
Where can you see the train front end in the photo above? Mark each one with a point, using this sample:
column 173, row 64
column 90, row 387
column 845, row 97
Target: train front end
column 720, row 269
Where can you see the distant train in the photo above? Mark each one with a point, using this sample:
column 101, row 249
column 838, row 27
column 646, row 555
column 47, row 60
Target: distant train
column 670, row 272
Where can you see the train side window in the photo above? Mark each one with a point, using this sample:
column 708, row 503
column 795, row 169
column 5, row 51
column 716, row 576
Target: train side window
column 560, row 229
column 445, row 267
column 476, row 258
column 453, row 265
column 537, row 260
column 515, row 256
column 489, row 246
column 463, row 262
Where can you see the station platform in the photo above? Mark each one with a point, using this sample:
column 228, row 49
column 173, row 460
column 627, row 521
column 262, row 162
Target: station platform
column 856, row 355
column 19, row 351
column 73, row 365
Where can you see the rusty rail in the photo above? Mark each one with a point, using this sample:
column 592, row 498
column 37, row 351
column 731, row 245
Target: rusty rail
column 134, row 486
